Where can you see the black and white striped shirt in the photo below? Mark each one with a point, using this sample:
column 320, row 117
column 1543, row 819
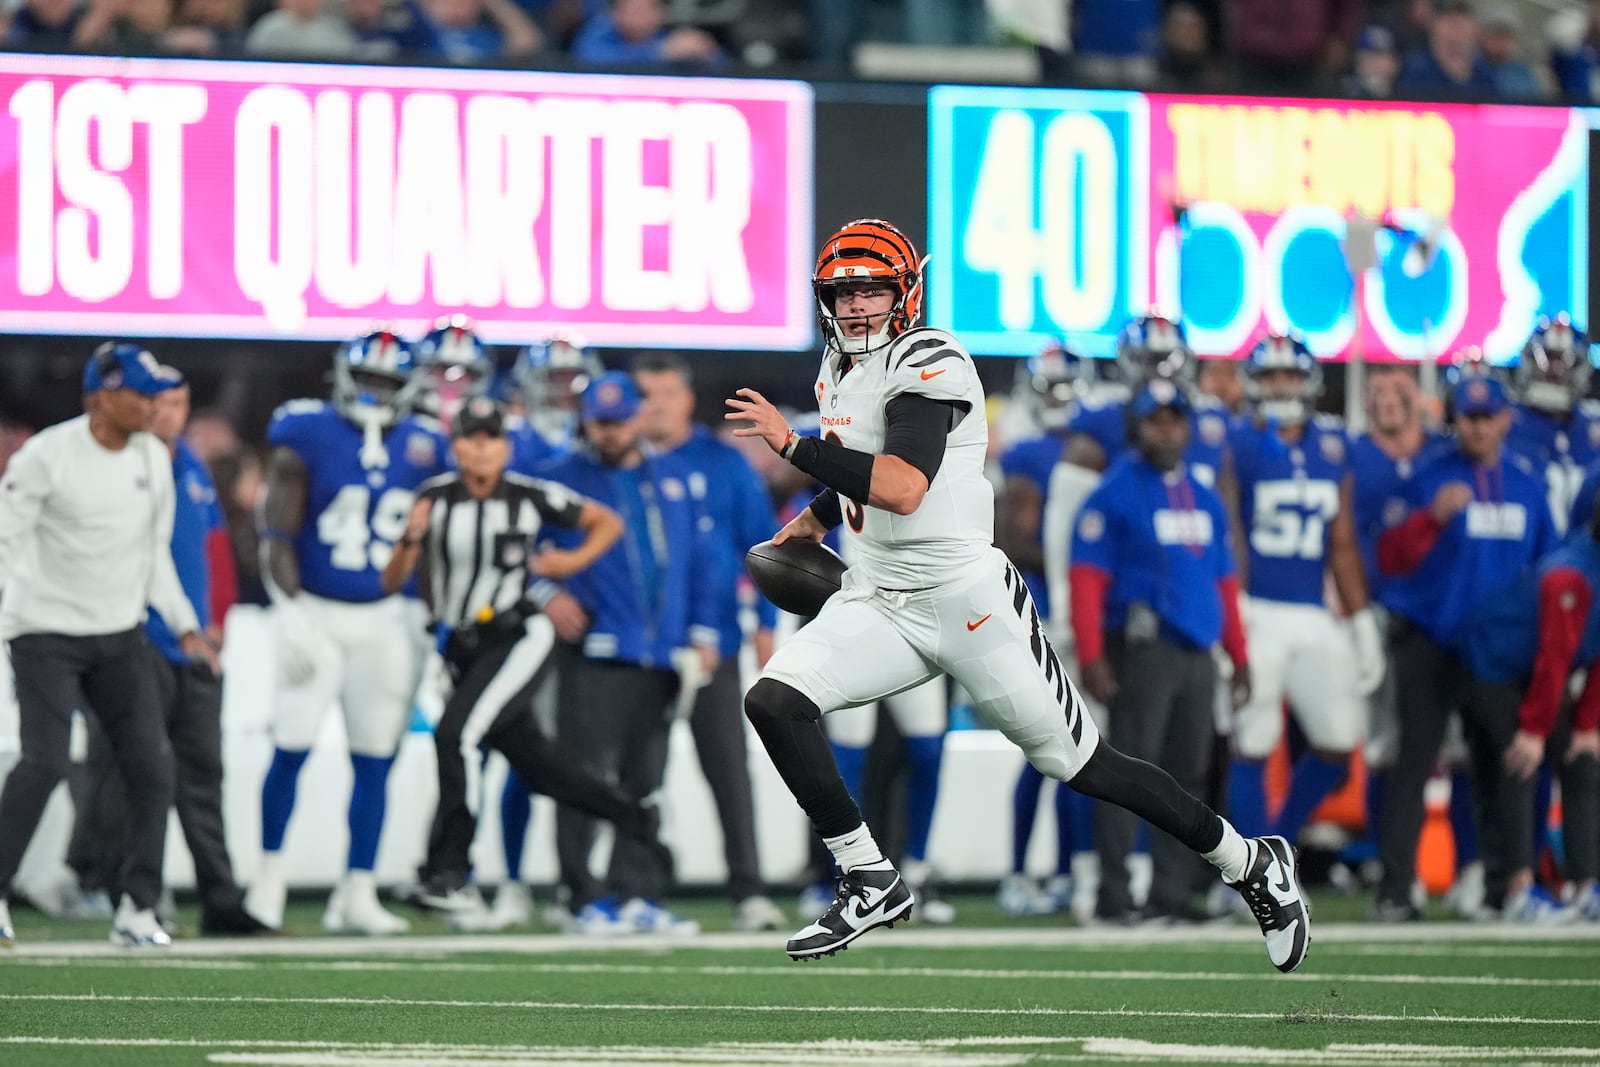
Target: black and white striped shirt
column 478, row 550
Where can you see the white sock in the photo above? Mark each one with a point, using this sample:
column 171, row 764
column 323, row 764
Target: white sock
column 855, row 849
column 1232, row 856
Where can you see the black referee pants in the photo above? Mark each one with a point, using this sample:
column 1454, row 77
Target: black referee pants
column 191, row 703
column 1432, row 684
column 718, row 725
column 112, row 677
column 618, row 717
column 1163, row 715
column 491, row 707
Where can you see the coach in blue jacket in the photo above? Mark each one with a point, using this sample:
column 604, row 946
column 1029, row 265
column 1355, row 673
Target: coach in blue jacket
column 734, row 497
column 1476, row 520
column 650, row 595
column 1153, row 588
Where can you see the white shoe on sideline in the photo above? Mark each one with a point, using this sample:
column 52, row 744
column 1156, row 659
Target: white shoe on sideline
column 268, row 892
column 353, row 908
column 136, row 927
column 513, row 906
column 758, row 913
column 8, row 936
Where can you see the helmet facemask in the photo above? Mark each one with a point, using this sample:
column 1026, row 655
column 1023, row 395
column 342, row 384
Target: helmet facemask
column 1282, row 379
column 1553, row 373
column 869, row 254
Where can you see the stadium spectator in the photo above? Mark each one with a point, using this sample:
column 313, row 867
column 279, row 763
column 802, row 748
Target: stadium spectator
column 1286, row 46
column 301, row 29
column 649, row 597
column 1186, row 62
column 472, row 31
column 1500, row 41
column 207, row 28
column 140, row 27
column 61, row 24
column 385, row 30
column 1573, row 34
column 1153, row 588
column 1475, row 520
column 1376, row 65
column 1116, row 42
column 191, row 695
column 1451, row 64
column 84, row 548
column 633, row 32
column 735, row 499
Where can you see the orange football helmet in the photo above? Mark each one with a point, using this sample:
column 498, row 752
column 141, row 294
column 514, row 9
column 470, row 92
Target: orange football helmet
column 868, row 250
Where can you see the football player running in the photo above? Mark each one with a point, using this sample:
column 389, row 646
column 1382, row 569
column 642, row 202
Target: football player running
column 1552, row 426
column 1297, row 525
column 339, row 488
column 902, row 459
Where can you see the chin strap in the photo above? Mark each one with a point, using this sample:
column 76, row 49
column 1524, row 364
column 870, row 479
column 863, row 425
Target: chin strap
column 373, row 421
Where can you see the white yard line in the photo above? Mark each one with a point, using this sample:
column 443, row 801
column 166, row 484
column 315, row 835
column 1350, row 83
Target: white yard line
column 763, row 1009
column 1391, row 938
column 828, row 972
column 974, row 1051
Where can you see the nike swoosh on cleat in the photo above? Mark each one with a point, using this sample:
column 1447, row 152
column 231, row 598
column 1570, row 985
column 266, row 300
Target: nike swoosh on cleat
column 971, row 626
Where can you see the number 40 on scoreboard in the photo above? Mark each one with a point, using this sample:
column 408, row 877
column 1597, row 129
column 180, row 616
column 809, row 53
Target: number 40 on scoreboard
column 1038, row 218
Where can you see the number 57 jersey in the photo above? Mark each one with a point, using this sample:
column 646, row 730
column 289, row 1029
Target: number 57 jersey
column 952, row 531
column 355, row 510
column 1288, row 496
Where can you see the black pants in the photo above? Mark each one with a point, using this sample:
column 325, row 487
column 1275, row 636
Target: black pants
column 191, row 703
column 1163, row 715
column 616, row 715
column 491, row 707
column 718, row 727
column 1431, row 684
column 1580, row 801
column 111, row 676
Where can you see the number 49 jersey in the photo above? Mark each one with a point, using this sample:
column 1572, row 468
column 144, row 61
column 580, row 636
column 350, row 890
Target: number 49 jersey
column 1288, row 494
column 354, row 515
column 952, row 529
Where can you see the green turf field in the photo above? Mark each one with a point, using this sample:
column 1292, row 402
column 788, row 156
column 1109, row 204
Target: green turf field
column 987, row 992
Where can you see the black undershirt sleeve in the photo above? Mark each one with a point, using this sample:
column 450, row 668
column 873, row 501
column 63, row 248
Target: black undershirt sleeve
column 917, row 429
column 826, row 509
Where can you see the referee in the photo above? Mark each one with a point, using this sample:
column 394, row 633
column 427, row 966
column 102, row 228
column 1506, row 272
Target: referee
column 473, row 533
column 88, row 506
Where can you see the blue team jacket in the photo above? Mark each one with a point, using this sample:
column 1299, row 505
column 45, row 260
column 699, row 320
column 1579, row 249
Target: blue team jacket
column 734, row 498
column 656, row 589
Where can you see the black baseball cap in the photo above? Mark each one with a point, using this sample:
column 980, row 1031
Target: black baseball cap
column 480, row 415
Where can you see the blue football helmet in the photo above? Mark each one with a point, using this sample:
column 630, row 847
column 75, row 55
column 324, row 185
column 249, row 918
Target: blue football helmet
column 376, row 372
column 550, row 378
column 454, row 366
column 1048, row 383
column 1286, row 400
column 1553, row 372
column 1154, row 346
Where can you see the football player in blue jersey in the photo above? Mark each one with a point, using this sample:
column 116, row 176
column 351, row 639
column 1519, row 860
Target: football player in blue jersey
column 339, row 487
column 549, row 379
column 1297, row 528
column 1552, row 426
column 453, row 365
column 1047, row 391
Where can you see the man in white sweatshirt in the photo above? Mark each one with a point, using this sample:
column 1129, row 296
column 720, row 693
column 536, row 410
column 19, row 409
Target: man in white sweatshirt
column 86, row 511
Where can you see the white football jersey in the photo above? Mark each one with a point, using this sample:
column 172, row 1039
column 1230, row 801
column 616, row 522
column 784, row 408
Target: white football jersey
column 952, row 530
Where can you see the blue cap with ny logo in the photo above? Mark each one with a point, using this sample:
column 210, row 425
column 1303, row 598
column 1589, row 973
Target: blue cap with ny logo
column 121, row 365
